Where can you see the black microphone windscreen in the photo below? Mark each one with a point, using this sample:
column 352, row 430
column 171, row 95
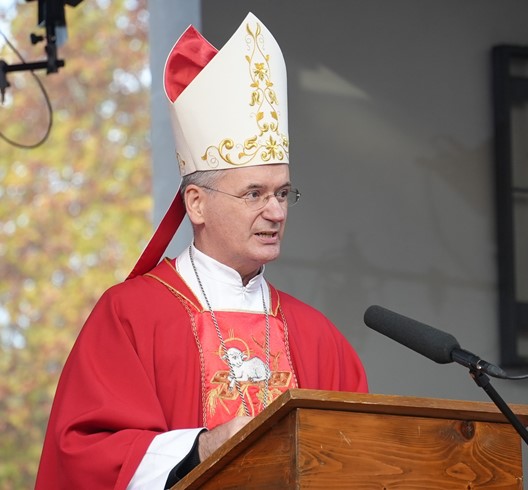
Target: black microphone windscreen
column 421, row 338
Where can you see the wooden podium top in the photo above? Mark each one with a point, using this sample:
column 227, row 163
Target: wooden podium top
column 433, row 408
column 392, row 404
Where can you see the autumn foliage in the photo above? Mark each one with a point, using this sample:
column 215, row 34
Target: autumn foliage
column 74, row 212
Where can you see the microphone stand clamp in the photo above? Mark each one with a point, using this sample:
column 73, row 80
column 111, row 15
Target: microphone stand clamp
column 483, row 381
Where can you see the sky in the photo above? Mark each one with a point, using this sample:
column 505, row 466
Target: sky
column 6, row 5
column 7, row 11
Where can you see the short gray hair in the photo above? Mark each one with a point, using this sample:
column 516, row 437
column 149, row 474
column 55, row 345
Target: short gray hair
column 207, row 178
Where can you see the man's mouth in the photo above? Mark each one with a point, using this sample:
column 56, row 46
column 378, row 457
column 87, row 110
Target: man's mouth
column 267, row 234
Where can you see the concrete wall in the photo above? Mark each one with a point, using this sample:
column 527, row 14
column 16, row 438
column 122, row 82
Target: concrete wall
column 168, row 19
column 391, row 136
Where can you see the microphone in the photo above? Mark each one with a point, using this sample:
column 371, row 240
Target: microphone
column 430, row 342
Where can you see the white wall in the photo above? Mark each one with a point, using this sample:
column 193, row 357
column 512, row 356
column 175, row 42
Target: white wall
column 391, row 135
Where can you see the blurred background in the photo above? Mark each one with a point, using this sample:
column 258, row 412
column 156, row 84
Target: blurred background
column 393, row 144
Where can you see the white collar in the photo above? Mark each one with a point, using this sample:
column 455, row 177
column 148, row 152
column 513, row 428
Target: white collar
column 222, row 284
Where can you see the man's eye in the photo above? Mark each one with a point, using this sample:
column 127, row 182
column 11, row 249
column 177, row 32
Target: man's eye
column 253, row 195
column 283, row 193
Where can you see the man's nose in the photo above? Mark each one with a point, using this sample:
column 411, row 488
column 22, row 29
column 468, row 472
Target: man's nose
column 274, row 210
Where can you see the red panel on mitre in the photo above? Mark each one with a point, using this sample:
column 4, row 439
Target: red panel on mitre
column 188, row 57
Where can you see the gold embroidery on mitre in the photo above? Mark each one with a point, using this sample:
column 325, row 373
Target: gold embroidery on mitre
column 269, row 143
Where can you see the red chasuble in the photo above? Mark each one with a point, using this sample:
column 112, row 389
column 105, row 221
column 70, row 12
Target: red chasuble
column 137, row 371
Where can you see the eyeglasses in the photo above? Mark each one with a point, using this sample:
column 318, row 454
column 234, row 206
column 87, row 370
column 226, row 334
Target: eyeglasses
column 254, row 198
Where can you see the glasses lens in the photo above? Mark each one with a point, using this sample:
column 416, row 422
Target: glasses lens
column 290, row 199
column 255, row 204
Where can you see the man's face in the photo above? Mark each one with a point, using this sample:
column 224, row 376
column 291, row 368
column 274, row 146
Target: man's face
column 233, row 233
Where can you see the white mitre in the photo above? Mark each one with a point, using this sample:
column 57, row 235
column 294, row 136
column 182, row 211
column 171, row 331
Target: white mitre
column 234, row 113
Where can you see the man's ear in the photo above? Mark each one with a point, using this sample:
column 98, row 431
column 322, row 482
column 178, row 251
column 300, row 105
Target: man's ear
column 194, row 199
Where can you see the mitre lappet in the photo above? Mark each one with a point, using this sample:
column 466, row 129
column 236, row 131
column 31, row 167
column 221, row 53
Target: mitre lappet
column 228, row 110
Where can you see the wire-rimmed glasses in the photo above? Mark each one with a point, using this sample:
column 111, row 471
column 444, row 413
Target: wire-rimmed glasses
column 255, row 199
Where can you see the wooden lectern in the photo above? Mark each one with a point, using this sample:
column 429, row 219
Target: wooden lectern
column 327, row 440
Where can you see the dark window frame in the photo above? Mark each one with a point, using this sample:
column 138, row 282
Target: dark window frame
column 510, row 90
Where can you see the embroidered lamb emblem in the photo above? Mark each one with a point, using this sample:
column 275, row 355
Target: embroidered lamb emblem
column 245, row 369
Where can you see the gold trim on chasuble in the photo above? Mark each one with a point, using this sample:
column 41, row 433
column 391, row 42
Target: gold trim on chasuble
column 272, row 144
column 244, row 337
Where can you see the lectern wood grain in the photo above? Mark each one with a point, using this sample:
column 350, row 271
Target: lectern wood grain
column 308, row 439
column 268, row 463
column 372, row 451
